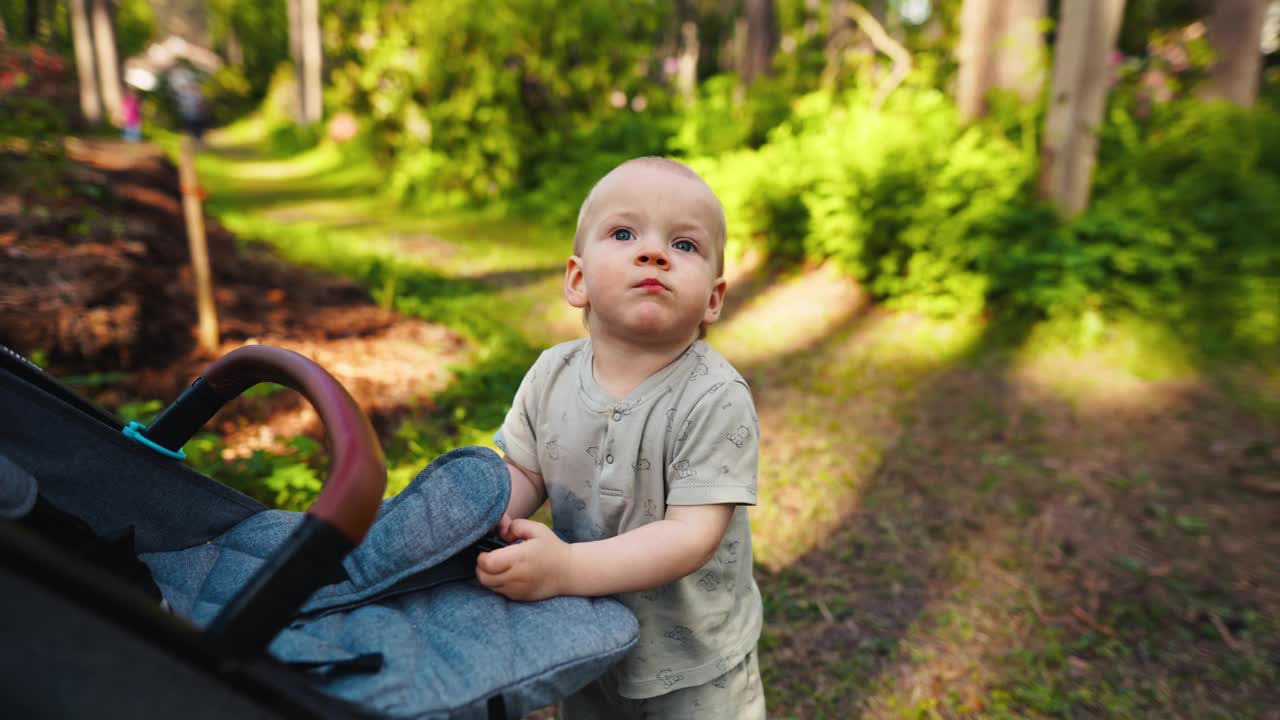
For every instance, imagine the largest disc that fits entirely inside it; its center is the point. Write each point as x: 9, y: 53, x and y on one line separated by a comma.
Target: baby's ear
x: 575, y: 283
x: 716, y: 301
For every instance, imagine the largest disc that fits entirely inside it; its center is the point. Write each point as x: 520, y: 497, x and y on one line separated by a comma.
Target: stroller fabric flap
x: 445, y: 649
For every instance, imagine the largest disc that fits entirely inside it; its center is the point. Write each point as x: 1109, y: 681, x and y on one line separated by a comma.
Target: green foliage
x: 36, y: 99
x: 289, y: 481
x: 941, y: 218
x: 261, y: 30
x: 462, y: 98
x: 135, y: 27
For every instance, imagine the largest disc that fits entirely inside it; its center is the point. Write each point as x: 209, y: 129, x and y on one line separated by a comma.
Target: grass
x: 957, y: 518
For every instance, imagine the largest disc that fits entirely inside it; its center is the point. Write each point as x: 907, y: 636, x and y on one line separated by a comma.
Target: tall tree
x: 86, y: 71
x: 1235, y: 32
x: 33, y: 20
x: 1000, y: 47
x: 761, y: 40
x: 304, y: 46
x: 1082, y: 75
x: 104, y: 43
x: 313, y: 60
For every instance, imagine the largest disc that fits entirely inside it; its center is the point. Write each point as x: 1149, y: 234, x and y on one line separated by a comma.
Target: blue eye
x: 685, y: 246
x: 622, y: 234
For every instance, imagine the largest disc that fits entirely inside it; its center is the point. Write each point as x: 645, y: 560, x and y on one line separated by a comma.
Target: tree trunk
x: 1000, y: 47
x: 104, y: 42
x: 1020, y: 63
x: 837, y: 42
x: 979, y: 25
x: 1235, y: 32
x: 312, y: 60
x: 296, y: 54
x: 687, y: 63
x: 90, y: 102
x: 762, y: 40
x: 235, y: 51
x: 1082, y: 75
x: 33, y: 20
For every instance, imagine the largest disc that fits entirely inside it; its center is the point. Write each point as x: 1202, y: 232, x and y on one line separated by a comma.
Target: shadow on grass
x: 1021, y: 552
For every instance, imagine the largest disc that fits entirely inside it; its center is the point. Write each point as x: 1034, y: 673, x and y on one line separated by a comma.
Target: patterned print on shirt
x: 679, y: 633
x: 641, y: 464
x: 708, y: 581
x: 669, y: 677
x: 650, y: 509
x: 594, y: 452
x: 699, y: 371
x: 728, y: 553
x: 671, y: 419
x: 553, y: 447
x: 684, y: 432
x: 739, y: 436
x: 684, y: 471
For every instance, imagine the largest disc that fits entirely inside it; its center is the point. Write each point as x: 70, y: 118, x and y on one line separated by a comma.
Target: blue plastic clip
x: 134, y: 431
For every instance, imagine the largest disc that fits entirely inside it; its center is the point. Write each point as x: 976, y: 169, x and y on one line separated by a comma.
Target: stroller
x: 133, y: 586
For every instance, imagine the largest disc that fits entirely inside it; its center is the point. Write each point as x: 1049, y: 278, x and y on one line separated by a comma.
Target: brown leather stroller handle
x: 357, y: 476
x: 357, y: 470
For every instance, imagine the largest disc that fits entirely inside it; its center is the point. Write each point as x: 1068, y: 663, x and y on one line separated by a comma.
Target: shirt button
x: 608, y: 459
x: 617, y: 416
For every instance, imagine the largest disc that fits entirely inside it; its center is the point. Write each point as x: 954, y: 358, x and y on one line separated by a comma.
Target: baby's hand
x: 504, y: 528
x: 535, y: 569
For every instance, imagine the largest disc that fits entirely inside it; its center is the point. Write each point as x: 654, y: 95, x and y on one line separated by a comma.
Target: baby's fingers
x: 495, y: 562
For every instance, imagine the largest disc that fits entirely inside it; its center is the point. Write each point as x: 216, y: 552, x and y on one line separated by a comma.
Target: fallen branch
x: 885, y: 44
x: 1083, y: 616
x: 1225, y: 633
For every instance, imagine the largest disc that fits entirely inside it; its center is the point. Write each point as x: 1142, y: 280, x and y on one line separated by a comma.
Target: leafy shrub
x: 461, y: 96
x: 941, y: 218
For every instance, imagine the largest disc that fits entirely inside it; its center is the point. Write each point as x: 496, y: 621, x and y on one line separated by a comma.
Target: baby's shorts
x: 736, y: 695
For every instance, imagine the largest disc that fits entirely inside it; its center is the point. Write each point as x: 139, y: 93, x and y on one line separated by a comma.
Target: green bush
x: 941, y: 218
x: 464, y: 99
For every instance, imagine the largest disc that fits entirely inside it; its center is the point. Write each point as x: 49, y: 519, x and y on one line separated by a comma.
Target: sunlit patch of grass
x: 795, y: 312
x: 828, y: 415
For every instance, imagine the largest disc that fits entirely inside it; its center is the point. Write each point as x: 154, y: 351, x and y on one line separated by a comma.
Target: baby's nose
x: 650, y: 256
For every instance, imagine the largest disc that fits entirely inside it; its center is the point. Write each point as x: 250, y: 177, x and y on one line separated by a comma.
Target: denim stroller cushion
x: 445, y: 650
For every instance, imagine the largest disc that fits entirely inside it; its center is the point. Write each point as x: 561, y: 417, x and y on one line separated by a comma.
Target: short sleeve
x: 517, y: 438
x: 717, y: 452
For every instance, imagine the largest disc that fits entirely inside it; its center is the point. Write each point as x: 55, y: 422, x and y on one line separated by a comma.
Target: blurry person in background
x: 131, y: 115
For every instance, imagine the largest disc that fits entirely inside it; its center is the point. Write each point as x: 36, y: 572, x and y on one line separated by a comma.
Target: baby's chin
x: 658, y: 325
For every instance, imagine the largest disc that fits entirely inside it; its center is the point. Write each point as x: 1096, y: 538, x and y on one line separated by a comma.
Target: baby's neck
x: 619, y: 367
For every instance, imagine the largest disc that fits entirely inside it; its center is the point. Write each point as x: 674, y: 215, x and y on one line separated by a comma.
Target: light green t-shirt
x: 688, y: 435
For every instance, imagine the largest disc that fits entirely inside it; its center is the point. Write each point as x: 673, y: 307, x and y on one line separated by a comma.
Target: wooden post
x: 192, y: 207
x: 1082, y: 75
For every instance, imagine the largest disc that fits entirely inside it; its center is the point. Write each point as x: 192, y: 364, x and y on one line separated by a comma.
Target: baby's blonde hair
x: 718, y: 232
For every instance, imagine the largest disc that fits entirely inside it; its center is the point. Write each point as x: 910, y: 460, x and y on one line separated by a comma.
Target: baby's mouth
x: 651, y: 284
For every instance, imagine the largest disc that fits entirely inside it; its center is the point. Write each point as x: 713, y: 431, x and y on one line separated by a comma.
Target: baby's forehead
x: 631, y: 183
